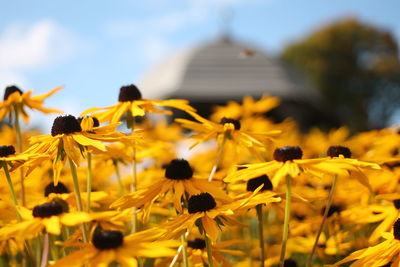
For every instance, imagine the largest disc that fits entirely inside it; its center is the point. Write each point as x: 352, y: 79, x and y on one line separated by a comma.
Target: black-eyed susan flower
x: 8, y: 158
x: 227, y: 129
x: 112, y: 246
x: 248, y: 108
x: 15, y: 101
x: 203, y: 207
x: 179, y: 181
x: 342, y: 157
x: 385, y: 253
x: 287, y: 161
x: 48, y: 216
x: 68, y: 140
x: 131, y: 103
x: 385, y: 213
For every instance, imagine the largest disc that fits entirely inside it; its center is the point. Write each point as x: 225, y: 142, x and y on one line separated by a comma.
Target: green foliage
x: 356, y: 68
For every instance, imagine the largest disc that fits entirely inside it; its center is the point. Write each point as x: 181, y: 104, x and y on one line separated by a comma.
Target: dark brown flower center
x: 10, y: 90
x: 6, y: 151
x: 96, y: 122
x: 254, y: 183
x: 197, y: 243
x: 47, y: 210
x: 289, y: 263
x: 236, y: 123
x: 288, y: 153
x: 299, y: 217
x: 396, y: 229
x: 60, y: 188
x: 335, y: 151
x: 332, y: 210
x: 178, y: 169
x: 65, y: 125
x: 396, y: 203
x: 129, y: 93
x: 201, y: 202
x: 108, y: 240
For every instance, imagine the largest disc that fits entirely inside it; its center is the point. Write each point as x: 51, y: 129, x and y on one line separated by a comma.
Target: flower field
x: 112, y: 187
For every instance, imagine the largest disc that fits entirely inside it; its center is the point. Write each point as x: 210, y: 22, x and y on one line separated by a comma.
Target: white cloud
x: 37, y: 46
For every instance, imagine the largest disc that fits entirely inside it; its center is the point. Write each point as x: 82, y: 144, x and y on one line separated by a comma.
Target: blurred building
x: 223, y: 70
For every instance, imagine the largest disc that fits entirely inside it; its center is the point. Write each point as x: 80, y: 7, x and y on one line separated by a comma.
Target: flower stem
x: 175, y: 259
x: 37, y: 247
x: 184, y: 251
x: 77, y: 194
x: 19, y: 147
x: 4, y: 261
x: 65, y: 235
x: 45, y: 253
x: 134, y: 179
x: 89, y: 181
x: 14, y: 199
x: 209, y: 250
x: 11, y: 187
x: 120, y: 183
x: 286, y: 221
x: 321, y: 227
x: 261, y: 233
x: 219, y: 154
x: 53, y: 248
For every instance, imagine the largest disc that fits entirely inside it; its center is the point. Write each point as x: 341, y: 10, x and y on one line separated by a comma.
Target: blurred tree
x: 356, y: 68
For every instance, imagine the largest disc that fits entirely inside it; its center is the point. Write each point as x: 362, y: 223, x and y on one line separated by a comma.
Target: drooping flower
x: 287, y: 161
x: 227, y: 129
x: 113, y: 246
x: 204, y: 208
x: 384, y: 253
x: 16, y: 100
x: 48, y: 216
x: 178, y: 180
x: 248, y: 108
x: 68, y: 139
x: 131, y: 103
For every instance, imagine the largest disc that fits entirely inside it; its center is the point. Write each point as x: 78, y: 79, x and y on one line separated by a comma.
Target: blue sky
x: 94, y: 47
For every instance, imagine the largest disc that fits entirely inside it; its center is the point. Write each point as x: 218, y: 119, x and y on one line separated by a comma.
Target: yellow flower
x: 228, y: 129
x: 335, y: 244
x: 16, y: 100
x: 379, y: 255
x: 248, y: 108
x: 67, y: 139
x: 8, y: 156
x: 203, y: 207
x: 316, y: 141
x: 112, y: 246
x: 385, y: 213
x: 49, y: 216
x: 287, y: 161
x: 130, y: 101
x: 178, y: 180
x: 340, y: 156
